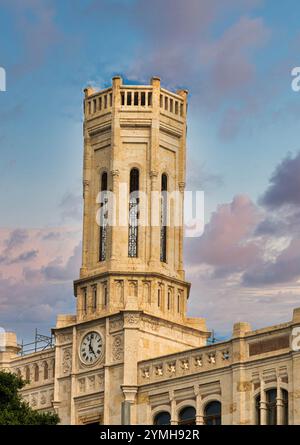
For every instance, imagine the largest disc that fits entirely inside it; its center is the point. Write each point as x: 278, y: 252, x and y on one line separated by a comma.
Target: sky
x: 235, y: 57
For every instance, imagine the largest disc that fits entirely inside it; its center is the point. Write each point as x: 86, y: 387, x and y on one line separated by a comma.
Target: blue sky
x: 235, y: 58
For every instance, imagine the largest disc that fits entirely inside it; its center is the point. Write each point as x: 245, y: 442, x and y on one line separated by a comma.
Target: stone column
x: 128, y: 414
x: 86, y: 225
x: 115, y: 130
x: 174, y: 419
x: 87, y: 165
x: 263, y: 403
x: 180, y: 231
x: 279, y: 403
x: 154, y: 219
x: 154, y: 147
x: 199, y: 409
x: 114, y: 158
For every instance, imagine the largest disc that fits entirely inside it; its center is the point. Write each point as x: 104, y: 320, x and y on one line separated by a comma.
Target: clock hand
x: 91, y: 349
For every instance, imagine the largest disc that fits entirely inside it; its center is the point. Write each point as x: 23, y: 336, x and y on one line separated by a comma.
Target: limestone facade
x: 153, y: 363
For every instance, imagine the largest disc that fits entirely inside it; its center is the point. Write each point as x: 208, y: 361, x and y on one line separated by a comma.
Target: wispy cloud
x: 35, y: 22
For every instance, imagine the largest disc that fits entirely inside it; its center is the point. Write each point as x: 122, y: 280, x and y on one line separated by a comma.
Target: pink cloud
x: 36, y: 277
x: 18, y: 247
x: 226, y: 240
x: 229, y: 57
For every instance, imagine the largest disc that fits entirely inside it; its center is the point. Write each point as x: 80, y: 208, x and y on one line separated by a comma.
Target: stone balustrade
x: 185, y: 363
x: 132, y: 98
x: 99, y: 103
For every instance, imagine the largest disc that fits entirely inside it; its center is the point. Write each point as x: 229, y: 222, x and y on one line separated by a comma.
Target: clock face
x: 91, y: 348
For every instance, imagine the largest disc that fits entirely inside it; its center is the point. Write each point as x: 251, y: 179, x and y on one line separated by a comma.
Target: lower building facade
x: 252, y: 378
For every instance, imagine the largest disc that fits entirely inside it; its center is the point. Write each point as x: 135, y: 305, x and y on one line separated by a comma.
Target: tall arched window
x: 187, y: 416
x: 133, y: 213
x: 103, y: 218
x: 212, y: 413
x: 162, y: 418
x: 164, y: 218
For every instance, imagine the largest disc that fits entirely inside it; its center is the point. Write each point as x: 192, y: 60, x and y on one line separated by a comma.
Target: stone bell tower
x: 132, y: 294
x: 134, y: 141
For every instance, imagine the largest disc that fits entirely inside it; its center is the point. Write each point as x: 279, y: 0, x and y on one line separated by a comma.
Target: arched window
x: 36, y: 373
x: 212, y: 413
x: 169, y: 300
x: 105, y: 296
x: 103, y: 218
x: 27, y: 373
x: 162, y: 418
x: 46, y: 371
x: 133, y: 213
x: 187, y: 416
x: 164, y: 218
x: 159, y: 297
x: 95, y: 298
x: 271, y: 407
x: 178, y: 302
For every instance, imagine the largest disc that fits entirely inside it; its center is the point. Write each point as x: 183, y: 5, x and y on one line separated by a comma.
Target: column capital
x: 115, y: 173
x: 129, y: 393
x: 153, y: 174
x: 181, y: 186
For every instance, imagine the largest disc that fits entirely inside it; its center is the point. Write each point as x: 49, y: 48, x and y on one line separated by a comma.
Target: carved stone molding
x: 64, y: 338
x: 67, y: 360
x: 117, y: 348
x: 132, y: 319
x: 115, y: 324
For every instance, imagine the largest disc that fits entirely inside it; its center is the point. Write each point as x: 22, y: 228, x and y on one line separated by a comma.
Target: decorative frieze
x: 90, y: 383
x: 182, y: 365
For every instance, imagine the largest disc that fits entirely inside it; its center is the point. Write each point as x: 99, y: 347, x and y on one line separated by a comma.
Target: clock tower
x: 131, y: 295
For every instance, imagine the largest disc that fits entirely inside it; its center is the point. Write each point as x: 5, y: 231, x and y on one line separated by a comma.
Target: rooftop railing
x: 134, y: 97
